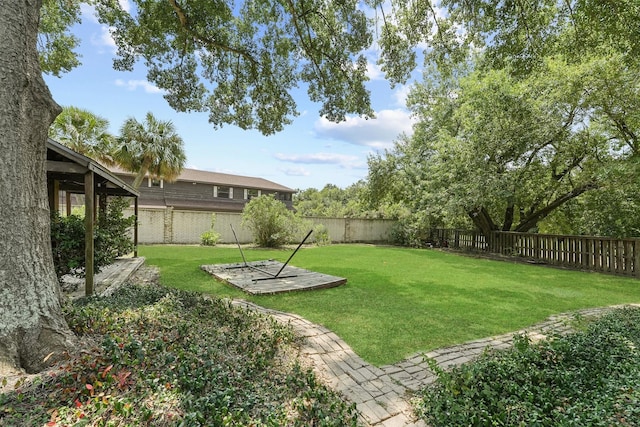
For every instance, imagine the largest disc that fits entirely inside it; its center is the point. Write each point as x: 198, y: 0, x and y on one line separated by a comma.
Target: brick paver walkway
x: 382, y: 394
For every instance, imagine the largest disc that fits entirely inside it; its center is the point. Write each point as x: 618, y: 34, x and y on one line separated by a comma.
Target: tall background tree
x: 150, y: 147
x: 515, y: 133
x: 334, y: 202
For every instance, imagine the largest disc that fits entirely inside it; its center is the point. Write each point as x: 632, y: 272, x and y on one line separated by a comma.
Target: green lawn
x: 399, y: 301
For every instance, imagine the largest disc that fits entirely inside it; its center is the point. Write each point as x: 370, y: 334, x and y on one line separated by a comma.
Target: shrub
x: 112, y: 232
x: 321, y: 235
x: 271, y: 222
x: 413, y: 231
x: 590, y: 378
x: 67, y: 243
x: 111, y: 239
x: 210, y: 237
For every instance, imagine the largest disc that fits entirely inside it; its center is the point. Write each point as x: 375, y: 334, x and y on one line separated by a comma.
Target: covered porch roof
x: 69, y: 169
x: 72, y: 172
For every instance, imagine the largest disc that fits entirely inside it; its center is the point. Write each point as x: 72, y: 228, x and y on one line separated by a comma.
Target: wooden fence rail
x: 603, y: 254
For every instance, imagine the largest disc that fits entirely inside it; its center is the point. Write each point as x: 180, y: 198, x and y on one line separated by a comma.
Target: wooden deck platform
x: 257, y: 277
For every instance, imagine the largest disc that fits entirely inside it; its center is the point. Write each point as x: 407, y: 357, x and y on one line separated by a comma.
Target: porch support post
x: 89, y: 214
x: 135, y: 228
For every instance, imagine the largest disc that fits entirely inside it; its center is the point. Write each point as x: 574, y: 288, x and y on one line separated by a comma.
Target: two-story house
x: 202, y: 190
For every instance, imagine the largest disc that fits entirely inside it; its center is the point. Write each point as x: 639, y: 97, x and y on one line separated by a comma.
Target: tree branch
x: 532, y: 220
x: 212, y: 43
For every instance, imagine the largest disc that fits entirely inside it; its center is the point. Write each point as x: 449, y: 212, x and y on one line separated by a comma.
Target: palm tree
x: 152, y: 147
x: 84, y: 132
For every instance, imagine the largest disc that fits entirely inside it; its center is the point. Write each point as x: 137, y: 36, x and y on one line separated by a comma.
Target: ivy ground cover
x: 152, y: 356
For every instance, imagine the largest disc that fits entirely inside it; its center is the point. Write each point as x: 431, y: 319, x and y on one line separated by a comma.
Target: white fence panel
x: 335, y: 227
x: 224, y: 221
x: 345, y: 230
x: 369, y: 230
x: 186, y: 227
x: 150, y: 225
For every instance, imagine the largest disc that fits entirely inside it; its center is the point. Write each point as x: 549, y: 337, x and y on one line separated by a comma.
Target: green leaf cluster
x: 84, y: 132
x: 241, y: 62
x: 112, y: 238
x: 271, y: 223
x: 334, y: 202
x: 56, y: 43
x: 152, y: 147
x: 587, y: 378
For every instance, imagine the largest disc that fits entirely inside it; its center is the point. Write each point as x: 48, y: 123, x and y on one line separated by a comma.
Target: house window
x: 223, y: 192
x: 286, y: 197
x: 154, y: 182
x: 250, y: 193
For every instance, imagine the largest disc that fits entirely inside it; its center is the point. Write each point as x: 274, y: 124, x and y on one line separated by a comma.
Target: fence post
x: 347, y: 230
x: 636, y: 258
x: 168, y: 225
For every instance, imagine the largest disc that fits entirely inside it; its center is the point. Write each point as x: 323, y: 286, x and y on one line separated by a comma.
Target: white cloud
x: 343, y: 160
x: 378, y: 133
x: 295, y: 171
x: 400, y: 95
x: 125, y: 5
x: 88, y: 13
x: 135, y: 84
x: 104, y: 39
x: 373, y: 70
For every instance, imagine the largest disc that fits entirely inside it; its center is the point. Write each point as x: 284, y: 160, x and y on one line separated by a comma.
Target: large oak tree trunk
x: 483, y: 222
x: 31, y: 323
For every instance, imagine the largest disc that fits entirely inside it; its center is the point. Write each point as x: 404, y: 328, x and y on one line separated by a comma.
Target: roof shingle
x: 216, y: 178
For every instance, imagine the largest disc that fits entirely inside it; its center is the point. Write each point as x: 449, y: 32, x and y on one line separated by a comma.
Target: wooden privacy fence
x: 617, y: 256
x: 603, y: 254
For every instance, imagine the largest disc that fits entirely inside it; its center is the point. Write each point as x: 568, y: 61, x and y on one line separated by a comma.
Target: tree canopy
x: 533, y: 106
x: 150, y: 147
x: 241, y: 62
x: 56, y: 43
x: 83, y: 132
x: 508, y: 151
x: 334, y: 202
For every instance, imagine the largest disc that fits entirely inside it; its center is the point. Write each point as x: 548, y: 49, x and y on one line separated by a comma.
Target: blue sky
x: 311, y: 152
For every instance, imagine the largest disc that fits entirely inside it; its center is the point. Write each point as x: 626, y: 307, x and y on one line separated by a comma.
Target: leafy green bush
x: 111, y: 236
x: 271, y: 222
x: 210, y: 237
x: 590, y: 378
x: 67, y: 243
x: 174, y: 358
x: 413, y: 231
x: 321, y: 235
